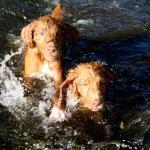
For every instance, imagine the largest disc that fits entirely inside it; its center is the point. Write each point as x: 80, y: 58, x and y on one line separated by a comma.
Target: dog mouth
x: 97, y: 108
x: 50, y: 56
x: 94, y: 108
x: 97, y: 104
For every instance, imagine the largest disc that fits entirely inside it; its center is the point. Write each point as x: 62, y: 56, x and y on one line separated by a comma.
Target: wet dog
x: 88, y: 83
x: 45, y: 39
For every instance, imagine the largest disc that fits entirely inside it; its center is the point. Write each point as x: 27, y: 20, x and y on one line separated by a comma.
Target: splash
x: 56, y: 115
x: 44, y: 105
x: 11, y: 89
x: 12, y: 92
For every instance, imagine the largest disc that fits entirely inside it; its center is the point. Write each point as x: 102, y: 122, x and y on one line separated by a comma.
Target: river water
x: 114, y: 31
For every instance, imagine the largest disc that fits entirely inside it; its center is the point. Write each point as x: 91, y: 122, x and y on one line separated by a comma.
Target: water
x: 113, y: 31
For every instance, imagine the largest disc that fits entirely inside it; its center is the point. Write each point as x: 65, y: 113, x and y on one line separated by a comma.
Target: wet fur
x: 42, y: 36
x: 95, y: 75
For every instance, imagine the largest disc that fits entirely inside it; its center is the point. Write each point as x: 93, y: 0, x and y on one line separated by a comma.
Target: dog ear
x: 103, y: 70
x: 69, y: 82
x: 70, y: 33
x: 59, y: 12
x: 27, y: 34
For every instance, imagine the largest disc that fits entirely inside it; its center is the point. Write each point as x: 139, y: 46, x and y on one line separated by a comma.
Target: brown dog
x: 88, y: 82
x: 45, y: 39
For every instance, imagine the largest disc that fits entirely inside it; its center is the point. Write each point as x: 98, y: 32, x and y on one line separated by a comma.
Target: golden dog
x: 45, y: 39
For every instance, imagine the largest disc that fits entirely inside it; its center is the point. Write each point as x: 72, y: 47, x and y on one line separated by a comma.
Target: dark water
x: 116, y: 32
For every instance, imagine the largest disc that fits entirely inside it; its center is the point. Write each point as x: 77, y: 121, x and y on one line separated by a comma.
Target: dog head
x: 88, y: 82
x: 49, y: 33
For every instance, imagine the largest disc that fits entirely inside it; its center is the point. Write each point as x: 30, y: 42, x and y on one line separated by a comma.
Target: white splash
x: 12, y: 93
x: 10, y: 87
x: 84, y: 22
x: 58, y: 115
x: 48, y: 93
x: 72, y: 102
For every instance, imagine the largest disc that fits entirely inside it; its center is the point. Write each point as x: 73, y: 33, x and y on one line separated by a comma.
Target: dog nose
x: 51, y: 49
x: 96, y: 102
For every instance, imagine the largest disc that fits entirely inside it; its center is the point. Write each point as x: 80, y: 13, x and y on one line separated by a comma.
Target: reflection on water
x: 114, y: 31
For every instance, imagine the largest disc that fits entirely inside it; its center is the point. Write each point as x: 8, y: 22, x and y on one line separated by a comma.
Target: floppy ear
x: 27, y: 34
x: 70, y: 33
x: 69, y: 82
x: 103, y: 70
x: 109, y: 74
x: 59, y: 12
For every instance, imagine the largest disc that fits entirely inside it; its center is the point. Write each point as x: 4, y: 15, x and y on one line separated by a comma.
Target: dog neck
x: 43, y: 59
x: 50, y: 67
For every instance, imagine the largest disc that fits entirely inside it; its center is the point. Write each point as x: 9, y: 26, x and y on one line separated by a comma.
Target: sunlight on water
x: 11, y: 88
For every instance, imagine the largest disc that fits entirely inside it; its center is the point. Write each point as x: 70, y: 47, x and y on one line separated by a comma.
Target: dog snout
x: 96, y: 102
x: 52, y: 49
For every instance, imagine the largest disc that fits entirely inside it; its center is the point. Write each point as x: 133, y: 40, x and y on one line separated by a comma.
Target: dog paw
x: 58, y: 115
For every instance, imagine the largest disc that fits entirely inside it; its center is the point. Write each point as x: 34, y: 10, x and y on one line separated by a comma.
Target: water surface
x: 114, y: 31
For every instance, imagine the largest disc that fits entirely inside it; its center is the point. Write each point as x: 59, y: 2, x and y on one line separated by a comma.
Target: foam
x: 11, y: 88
